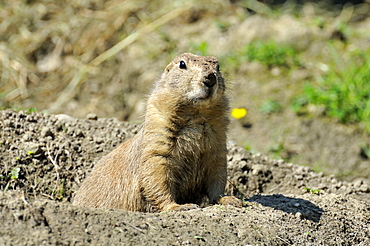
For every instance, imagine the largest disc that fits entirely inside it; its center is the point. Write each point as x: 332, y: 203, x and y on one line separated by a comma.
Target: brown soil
x: 54, y: 153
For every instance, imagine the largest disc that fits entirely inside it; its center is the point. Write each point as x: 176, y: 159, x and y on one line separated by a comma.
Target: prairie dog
x: 179, y: 155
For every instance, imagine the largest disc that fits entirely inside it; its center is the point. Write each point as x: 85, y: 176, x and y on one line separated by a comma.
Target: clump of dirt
x: 44, y: 158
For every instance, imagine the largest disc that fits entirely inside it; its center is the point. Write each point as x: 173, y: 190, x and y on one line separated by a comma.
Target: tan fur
x: 179, y: 155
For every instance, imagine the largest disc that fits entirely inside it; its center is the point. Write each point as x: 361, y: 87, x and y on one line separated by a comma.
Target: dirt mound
x: 44, y: 158
x: 51, y: 154
x: 268, y: 220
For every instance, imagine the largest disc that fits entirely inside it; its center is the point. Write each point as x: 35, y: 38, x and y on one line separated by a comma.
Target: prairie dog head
x: 193, y: 78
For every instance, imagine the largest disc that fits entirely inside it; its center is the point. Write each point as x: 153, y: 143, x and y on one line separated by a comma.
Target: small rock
x: 46, y: 132
x: 322, y: 186
x: 338, y: 184
x: 358, y: 183
x: 79, y: 133
x: 98, y: 140
x: 65, y: 118
x: 349, y: 190
x: 27, y: 136
x: 31, y: 148
x: 258, y: 169
x: 298, y: 215
x: 299, y: 177
x: 91, y: 116
x: 364, y: 188
x: 240, y: 156
x: 275, y: 71
x: 7, y: 123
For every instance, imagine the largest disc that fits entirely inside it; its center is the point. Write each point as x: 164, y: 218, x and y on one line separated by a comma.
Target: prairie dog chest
x: 195, y: 138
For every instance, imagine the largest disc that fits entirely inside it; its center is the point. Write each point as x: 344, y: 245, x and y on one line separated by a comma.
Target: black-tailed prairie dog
x: 179, y: 156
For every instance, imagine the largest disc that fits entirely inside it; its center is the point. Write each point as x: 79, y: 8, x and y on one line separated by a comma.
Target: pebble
x: 91, y: 116
x: 7, y: 123
x: 46, y: 132
x: 298, y: 215
x: 358, y: 183
x: 31, y: 148
x: 27, y: 136
x: 258, y: 169
x: 364, y: 188
x: 65, y: 117
x: 98, y: 140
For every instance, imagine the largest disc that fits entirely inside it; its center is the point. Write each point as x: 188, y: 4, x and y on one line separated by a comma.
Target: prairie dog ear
x: 169, y: 67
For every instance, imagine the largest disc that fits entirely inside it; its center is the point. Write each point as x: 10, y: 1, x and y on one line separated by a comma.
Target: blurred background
x: 298, y: 72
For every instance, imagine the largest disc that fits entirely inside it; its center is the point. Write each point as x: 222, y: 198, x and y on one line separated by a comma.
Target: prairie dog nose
x: 210, y: 80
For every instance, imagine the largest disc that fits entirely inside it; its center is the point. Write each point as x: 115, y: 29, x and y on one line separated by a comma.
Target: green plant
x: 365, y: 151
x: 64, y: 128
x: 200, y: 238
x: 60, y: 191
x: 200, y: 49
x: 344, y: 91
x: 266, y: 53
x: 312, y: 191
x: 14, y: 174
x: 222, y: 25
x: 248, y: 147
x: 270, y: 106
x: 27, y: 111
x: 271, y: 54
x: 31, y: 110
x: 298, y: 104
x: 319, y: 22
x: 255, y: 227
x: 276, y: 150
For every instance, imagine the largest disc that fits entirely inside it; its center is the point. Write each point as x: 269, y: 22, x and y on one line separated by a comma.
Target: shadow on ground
x: 300, y: 207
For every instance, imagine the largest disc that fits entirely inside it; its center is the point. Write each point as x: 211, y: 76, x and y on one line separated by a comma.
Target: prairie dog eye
x: 182, y: 65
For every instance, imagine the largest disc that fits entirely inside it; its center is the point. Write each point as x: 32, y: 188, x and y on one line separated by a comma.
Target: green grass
x: 344, y: 91
x: 199, y: 49
x: 270, y: 106
x: 267, y: 53
x: 312, y: 191
x: 14, y: 174
x: 365, y: 151
x: 271, y: 54
x: 276, y: 150
x: 27, y: 111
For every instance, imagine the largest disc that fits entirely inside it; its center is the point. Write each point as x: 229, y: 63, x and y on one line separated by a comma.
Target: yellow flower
x: 238, y: 113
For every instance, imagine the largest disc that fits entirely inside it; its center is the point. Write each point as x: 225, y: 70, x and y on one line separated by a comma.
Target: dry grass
x: 98, y: 56
x: 46, y: 43
x: 50, y: 49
